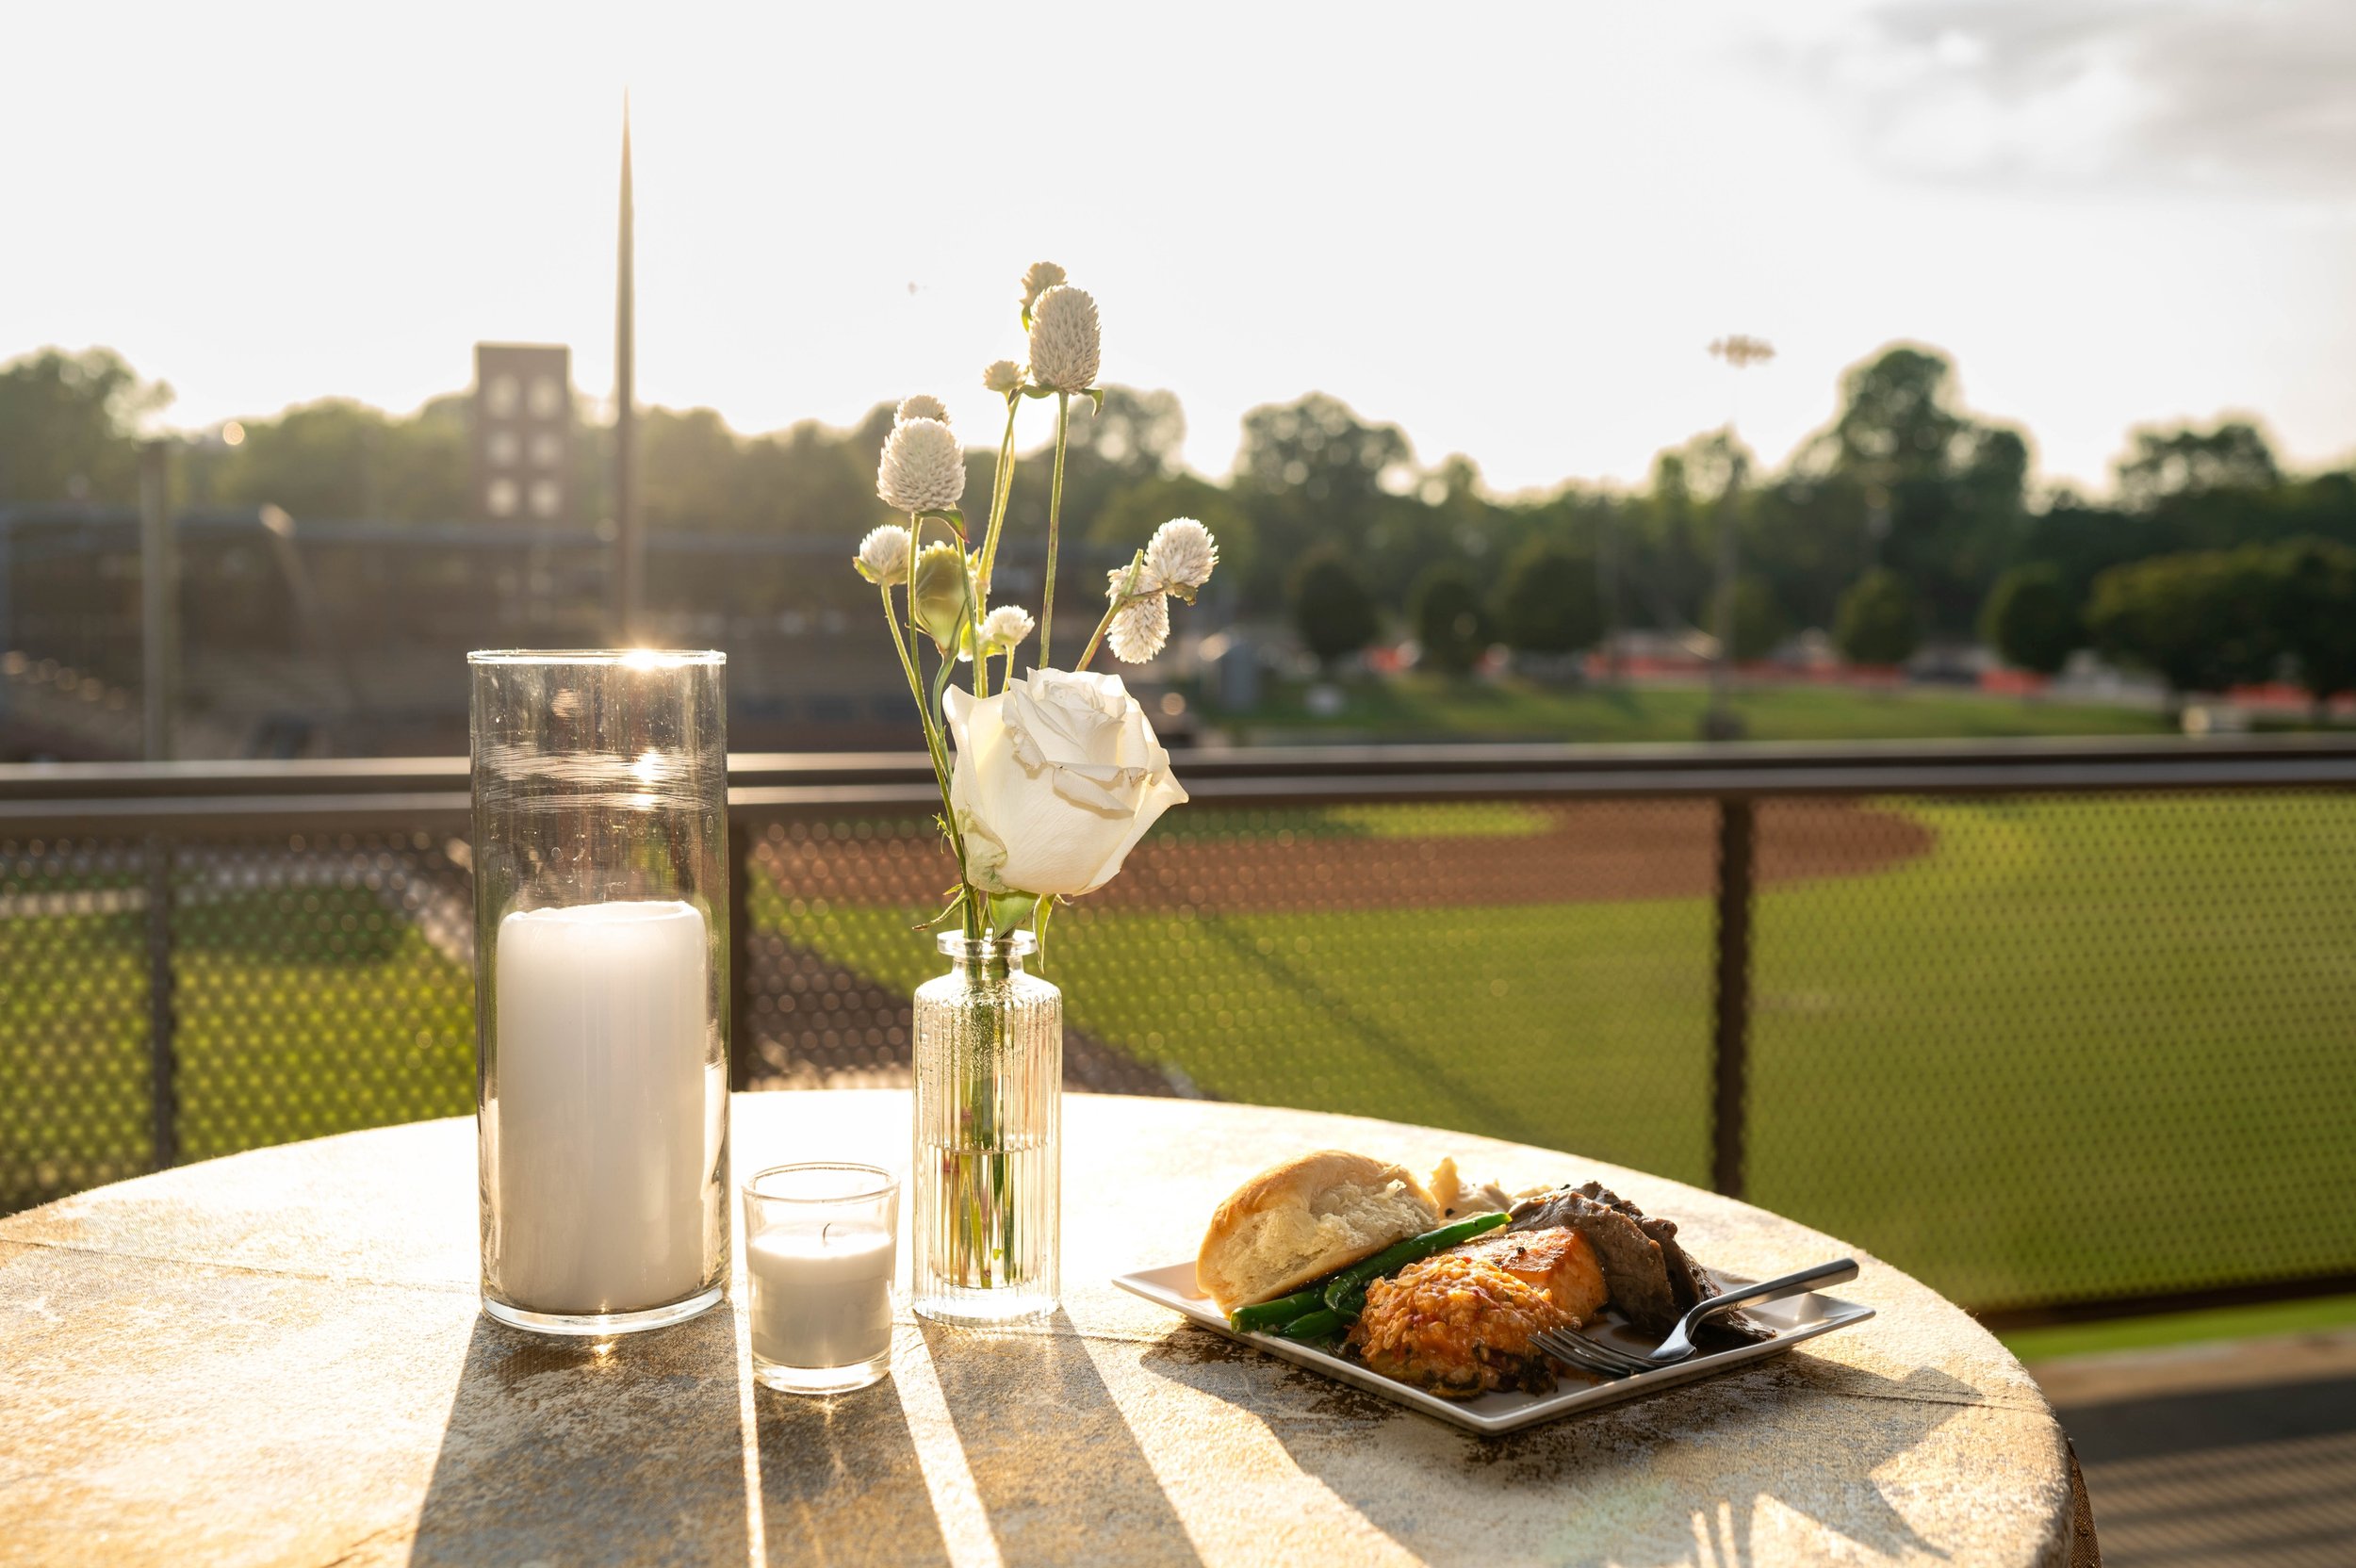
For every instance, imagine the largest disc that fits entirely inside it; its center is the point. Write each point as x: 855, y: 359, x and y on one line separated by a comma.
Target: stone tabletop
x: 277, y: 1358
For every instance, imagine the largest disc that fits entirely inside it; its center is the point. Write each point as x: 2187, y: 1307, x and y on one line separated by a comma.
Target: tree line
x: 1907, y: 518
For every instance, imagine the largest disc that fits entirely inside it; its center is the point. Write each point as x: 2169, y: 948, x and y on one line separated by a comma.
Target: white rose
x: 1056, y: 779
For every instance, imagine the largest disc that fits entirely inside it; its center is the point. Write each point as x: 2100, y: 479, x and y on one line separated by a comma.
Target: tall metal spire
x: 629, y: 574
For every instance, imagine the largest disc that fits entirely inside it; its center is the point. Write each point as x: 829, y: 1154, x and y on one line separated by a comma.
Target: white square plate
x: 1794, y: 1319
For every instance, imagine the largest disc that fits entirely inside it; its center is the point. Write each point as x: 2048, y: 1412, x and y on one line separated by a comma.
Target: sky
x: 1510, y: 230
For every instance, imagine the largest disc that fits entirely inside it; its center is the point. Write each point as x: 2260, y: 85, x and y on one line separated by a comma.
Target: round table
x: 277, y: 1358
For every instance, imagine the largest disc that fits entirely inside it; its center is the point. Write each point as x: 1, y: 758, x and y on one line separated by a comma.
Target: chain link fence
x: 2041, y: 1046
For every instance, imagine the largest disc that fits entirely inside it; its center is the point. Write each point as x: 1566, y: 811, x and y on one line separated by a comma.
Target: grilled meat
x: 1633, y: 1270
x: 1653, y: 1280
x: 1557, y: 1262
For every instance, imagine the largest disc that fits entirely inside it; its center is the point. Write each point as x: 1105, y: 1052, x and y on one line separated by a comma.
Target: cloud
x: 2202, y: 95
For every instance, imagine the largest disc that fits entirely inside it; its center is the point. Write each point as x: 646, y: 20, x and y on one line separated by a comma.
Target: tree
x: 2163, y: 464
x: 1330, y: 606
x: 2030, y: 620
x: 1877, y: 622
x: 67, y: 426
x: 1942, y: 491
x: 2200, y: 620
x: 1312, y: 472
x: 1549, y: 602
x: 1131, y: 514
x: 2314, y: 614
x: 1758, y: 620
x: 1451, y: 626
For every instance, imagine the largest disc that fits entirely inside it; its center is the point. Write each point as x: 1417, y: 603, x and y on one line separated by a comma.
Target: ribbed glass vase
x: 987, y: 1165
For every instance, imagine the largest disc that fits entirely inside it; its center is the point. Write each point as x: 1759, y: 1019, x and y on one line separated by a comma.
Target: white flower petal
x: 883, y: 555
x: 923, y: 467
x: 1067, y: 346
x: 1183, y: 551
x: 1140, y: 629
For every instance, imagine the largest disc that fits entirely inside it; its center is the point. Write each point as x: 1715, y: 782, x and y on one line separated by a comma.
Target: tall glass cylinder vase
x: 602, y: 899
x: 987, y: 1165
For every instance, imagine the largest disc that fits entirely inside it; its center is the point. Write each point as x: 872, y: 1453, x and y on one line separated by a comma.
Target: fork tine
x: 1587, y: 1361
x: 1580, y: 1350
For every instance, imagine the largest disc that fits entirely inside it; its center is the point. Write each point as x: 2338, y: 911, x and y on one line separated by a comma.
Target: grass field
x: 1422, y: 707
x: 2061, y: 1048
x: 2078, y: 1048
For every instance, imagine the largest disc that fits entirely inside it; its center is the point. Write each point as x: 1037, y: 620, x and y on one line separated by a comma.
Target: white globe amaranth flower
x: 883, y: 555
x: 920, y: 405
x: 1003, y: 377
x: 1140, y: 629
x: 1067, y: 343
x: 1006, y: 626
x: 1038, y: 279
x: 1182, y: 554
x: 1118, y: 586
x: 923, y: 467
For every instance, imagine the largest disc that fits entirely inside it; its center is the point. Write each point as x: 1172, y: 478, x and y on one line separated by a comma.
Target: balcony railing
x: 2067, y: 1028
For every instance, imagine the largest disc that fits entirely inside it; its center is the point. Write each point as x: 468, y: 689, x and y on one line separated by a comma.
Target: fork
x: 1612, y: 1361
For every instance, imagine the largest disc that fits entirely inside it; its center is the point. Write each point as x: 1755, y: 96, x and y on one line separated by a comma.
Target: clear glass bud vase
x: 988, y: 1163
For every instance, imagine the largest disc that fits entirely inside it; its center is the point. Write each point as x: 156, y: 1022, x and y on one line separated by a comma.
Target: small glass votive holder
x: 821, y: 1242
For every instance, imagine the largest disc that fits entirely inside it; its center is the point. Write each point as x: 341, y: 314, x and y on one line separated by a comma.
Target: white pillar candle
x: 602, y: 1134
x: 821, y: 1297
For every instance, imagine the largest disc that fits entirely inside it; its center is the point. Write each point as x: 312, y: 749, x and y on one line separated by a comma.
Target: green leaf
x: 956, y: 902
x: 1096, y: 396
x: 1030, y: 391
x: 1010, y: 910
x: 951, y: 516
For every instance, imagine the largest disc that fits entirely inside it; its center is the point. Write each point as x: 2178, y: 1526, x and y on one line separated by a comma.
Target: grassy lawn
x: 2078, y: 1048
x: 1425, y: 707
x: 302, y: 1012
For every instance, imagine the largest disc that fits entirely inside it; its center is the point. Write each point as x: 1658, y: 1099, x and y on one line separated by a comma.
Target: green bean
x: 1276, y: 1314
x: 1313, y: 1326
x: 1399, y: 1255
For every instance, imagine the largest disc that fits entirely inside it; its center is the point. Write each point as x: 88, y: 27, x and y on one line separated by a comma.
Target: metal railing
x: 2068, y: 1027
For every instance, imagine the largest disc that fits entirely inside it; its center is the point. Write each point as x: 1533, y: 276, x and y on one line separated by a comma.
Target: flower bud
x: 1038, y: 279
x: 1140, y: 629
x: 923, y: 467
x: 943, y: 593
x: 1003, y: 377
x: 883, y: 555
x: 1182, y: 554
x: 1067, y: 345
x: 920, y: 405
x: 1005, y: 626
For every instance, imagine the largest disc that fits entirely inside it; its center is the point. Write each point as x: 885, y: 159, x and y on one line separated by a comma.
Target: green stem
x: 1055, y: 522
x: 935, y: 748
x: 1001, y: 491
x: 1128, y: 592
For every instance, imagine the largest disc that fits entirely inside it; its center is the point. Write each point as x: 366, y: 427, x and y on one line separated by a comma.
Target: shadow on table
x: 841, y: 1480
x: 1060, y: 1474
x: 558, y: 1452
x: 1601, y: 1488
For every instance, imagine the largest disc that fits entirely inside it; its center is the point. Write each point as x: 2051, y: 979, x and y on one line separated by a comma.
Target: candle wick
x: 822, y: 1232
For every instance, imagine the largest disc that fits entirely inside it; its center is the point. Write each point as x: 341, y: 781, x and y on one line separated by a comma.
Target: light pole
x: 1719, y: 723
x: 160, y: 602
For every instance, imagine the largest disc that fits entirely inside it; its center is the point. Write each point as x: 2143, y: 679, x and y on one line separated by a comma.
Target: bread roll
x: 1458, y: 1198
x: 1306, y: 1217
